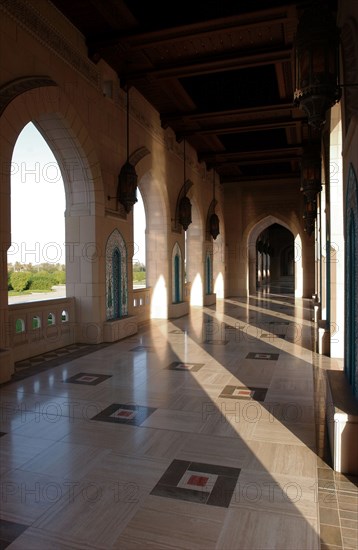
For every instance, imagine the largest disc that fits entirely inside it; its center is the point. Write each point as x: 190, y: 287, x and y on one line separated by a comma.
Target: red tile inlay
x: 244, y: 392
x: 125, y: 413
x: 87, y: 378
x: 199, y: 481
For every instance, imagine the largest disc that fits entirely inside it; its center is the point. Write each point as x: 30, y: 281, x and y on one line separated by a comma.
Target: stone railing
x: 141, y: 303
x: 42, y: 326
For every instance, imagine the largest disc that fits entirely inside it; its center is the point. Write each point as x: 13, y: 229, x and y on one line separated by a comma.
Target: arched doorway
x: 275, y: 259
x: 294, y: 247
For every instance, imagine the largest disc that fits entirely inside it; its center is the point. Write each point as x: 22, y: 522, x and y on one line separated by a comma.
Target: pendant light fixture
x: 127, y: 179
x: 214, y: 219
x: 311, y: 180
x: 316, y: 60
x: 184, y: 204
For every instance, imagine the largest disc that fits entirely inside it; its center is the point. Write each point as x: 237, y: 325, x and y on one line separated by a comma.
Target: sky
x: 38, y: 205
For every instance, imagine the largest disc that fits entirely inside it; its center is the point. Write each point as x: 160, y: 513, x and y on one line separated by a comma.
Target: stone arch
x: 60, y: 125
x: 55, y: 117
x: 250, y: 237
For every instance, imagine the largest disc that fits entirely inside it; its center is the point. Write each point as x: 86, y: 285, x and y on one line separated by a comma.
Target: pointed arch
x: 51, y: 111
x: 252, y: 235
x: 116, y: 277
x: 351, y: 283
x: 208, y: 274
x: 177, y: 274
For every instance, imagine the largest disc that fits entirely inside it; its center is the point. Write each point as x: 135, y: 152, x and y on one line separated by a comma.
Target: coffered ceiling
x: 220, y: 73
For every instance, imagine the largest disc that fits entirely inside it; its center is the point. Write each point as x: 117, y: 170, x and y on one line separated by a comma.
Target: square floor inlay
x: 243, y: 392
x: 134, y: 415
x: 262, y: 356
x: 9, y: 531
x: 88, y: 379
x: 198, y: 482
x: 193, y: 367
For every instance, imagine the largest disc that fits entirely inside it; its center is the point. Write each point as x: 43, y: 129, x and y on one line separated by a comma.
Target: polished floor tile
x: 198, y: 432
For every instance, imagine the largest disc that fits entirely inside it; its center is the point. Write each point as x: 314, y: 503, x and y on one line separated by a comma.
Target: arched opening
x: 156, y: 256
x: 274, y: 257
x: 351, y: 255
x: 116, y: 284
x: 60, y: 124
x: 219, y: 263
x: 116, y: 277
x: 208, y: 275
x: 177, y: 277
x: 195, y: 256
x: 36, y: 257
x: 139, y: 255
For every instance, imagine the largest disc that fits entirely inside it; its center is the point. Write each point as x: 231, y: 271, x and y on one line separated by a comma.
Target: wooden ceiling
x: 219, y: 72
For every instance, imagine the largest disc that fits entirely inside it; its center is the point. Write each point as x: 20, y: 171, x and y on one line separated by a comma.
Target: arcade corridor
x: 192, y: 412
x: 194, y: 433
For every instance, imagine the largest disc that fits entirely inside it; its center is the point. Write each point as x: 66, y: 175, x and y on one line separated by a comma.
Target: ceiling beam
x: 237, y: 128
x: 268, y: 111
x: 282, y: 154
x: 291, y: 177
x: 158, y: 38
x: 201, y: 66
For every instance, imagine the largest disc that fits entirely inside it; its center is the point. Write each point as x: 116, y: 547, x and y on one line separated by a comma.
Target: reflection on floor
x: 196, y: 433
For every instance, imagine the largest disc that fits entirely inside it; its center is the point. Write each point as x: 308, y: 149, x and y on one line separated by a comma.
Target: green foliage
x: 139, y: 276
x: 9, y: 285
x: 59, y: 277
x: 38, y: 277
x: 20, y: 280
x: 138, y: 267
x: 42, y: 281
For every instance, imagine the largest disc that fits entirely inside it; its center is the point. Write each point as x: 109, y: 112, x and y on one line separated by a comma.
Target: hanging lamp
x: 127, y: 179
x: 316, y: 63
x: 184, y: 204
x: 214, y: 219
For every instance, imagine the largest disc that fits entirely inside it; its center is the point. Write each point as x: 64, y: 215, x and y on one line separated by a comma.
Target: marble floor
x: 196, y: 433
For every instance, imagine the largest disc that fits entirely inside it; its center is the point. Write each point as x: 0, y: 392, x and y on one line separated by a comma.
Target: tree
x: 20, y: 280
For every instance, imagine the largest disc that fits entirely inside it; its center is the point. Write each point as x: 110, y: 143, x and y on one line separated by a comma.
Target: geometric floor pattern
x: 133, y: 415
x: 196, y: 482
x: 108, y: 447
x: 88, y: 379
x: 242, y: 392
